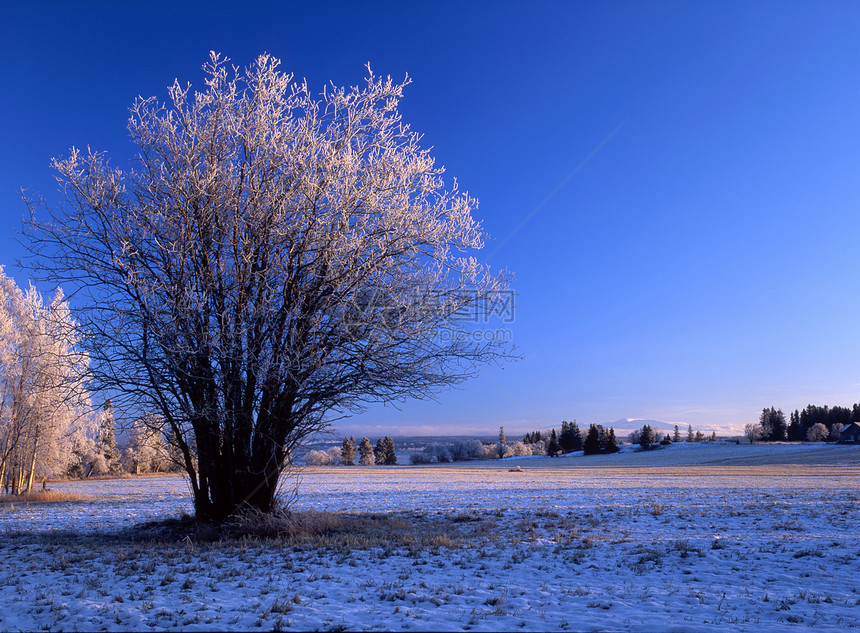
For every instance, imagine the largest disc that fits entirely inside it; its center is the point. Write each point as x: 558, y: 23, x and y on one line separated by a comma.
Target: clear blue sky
x: 701, y: 265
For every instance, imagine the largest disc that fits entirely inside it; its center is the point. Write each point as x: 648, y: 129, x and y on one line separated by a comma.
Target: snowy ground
x: 693, y: 539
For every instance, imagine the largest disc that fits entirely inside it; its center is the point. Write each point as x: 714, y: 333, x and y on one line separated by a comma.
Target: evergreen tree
x: 591, y: 446
x: 565, y: 438
x: 390, y: 457
x: 677, y: 436
x: 366, y: 454
x: 647, y: 437
x: 576, y: 437
x: 503, y: 444
x: 793, y: 432
x: 553, y: 448
x: 611, y: 445
x: 384, y: 452
x: 773, y: 426
x: 700, y: 437
x: 690, y: 436
x: 379, y: 452
x: 347, y: 451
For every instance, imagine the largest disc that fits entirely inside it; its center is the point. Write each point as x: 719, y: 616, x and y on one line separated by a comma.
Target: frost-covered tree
x: 520, y: 449
x: 106, y: 445
x: 347, y: 451
x: 502, y: 447
x: 818, y: 433
x: 676, y: 436
x: 752, y: 432
x: 385, y: 452
x: 145, y: 450
x: 45, y: 413
x: 329, y: 457
x: 366, y: 456
x: 271, y: 260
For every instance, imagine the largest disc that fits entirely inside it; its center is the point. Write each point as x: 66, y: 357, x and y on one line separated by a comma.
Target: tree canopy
x: 272, y: 260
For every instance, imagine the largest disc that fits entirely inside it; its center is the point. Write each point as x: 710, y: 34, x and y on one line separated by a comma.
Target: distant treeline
x: 594, y: 441
x: 598, y: 439
x: 812, y: 424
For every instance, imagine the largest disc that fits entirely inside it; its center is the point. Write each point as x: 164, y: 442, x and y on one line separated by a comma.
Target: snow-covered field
x: 687, y: 539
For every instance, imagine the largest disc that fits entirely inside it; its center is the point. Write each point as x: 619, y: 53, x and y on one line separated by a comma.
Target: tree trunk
x: 223, y: 492
x: 31, y: 476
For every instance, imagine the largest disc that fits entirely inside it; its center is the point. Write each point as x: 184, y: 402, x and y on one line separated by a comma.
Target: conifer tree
x: 677, y: 435
x: 390, y: 454
x: 553, y: 448
x: 347, y: 451
x: 575, y: 437
x: 379, y: 452
x: 646, y: 437
x: 564, y: 438
x: 503, y: 444
x: 794, y: 427
x: 591, y: 446
x: 611, y: 445
x: 366, y: 455
x: 690, y: 436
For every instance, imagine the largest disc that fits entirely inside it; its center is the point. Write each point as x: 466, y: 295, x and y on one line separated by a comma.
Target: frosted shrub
x: 462, y: 450
x: 818, y: 433
x: 538, y: 448
x: 442, y: 453
x: 330, y: 457
x: 520, y: 449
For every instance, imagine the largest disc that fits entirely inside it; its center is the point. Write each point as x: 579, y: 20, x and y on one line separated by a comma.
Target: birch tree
x: 44, y: 408
x: 272, y: 261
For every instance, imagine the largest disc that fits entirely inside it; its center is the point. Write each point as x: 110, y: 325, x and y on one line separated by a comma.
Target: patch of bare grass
x: 283, y: 524
x: 43, y: 496
x: 344, y: 532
